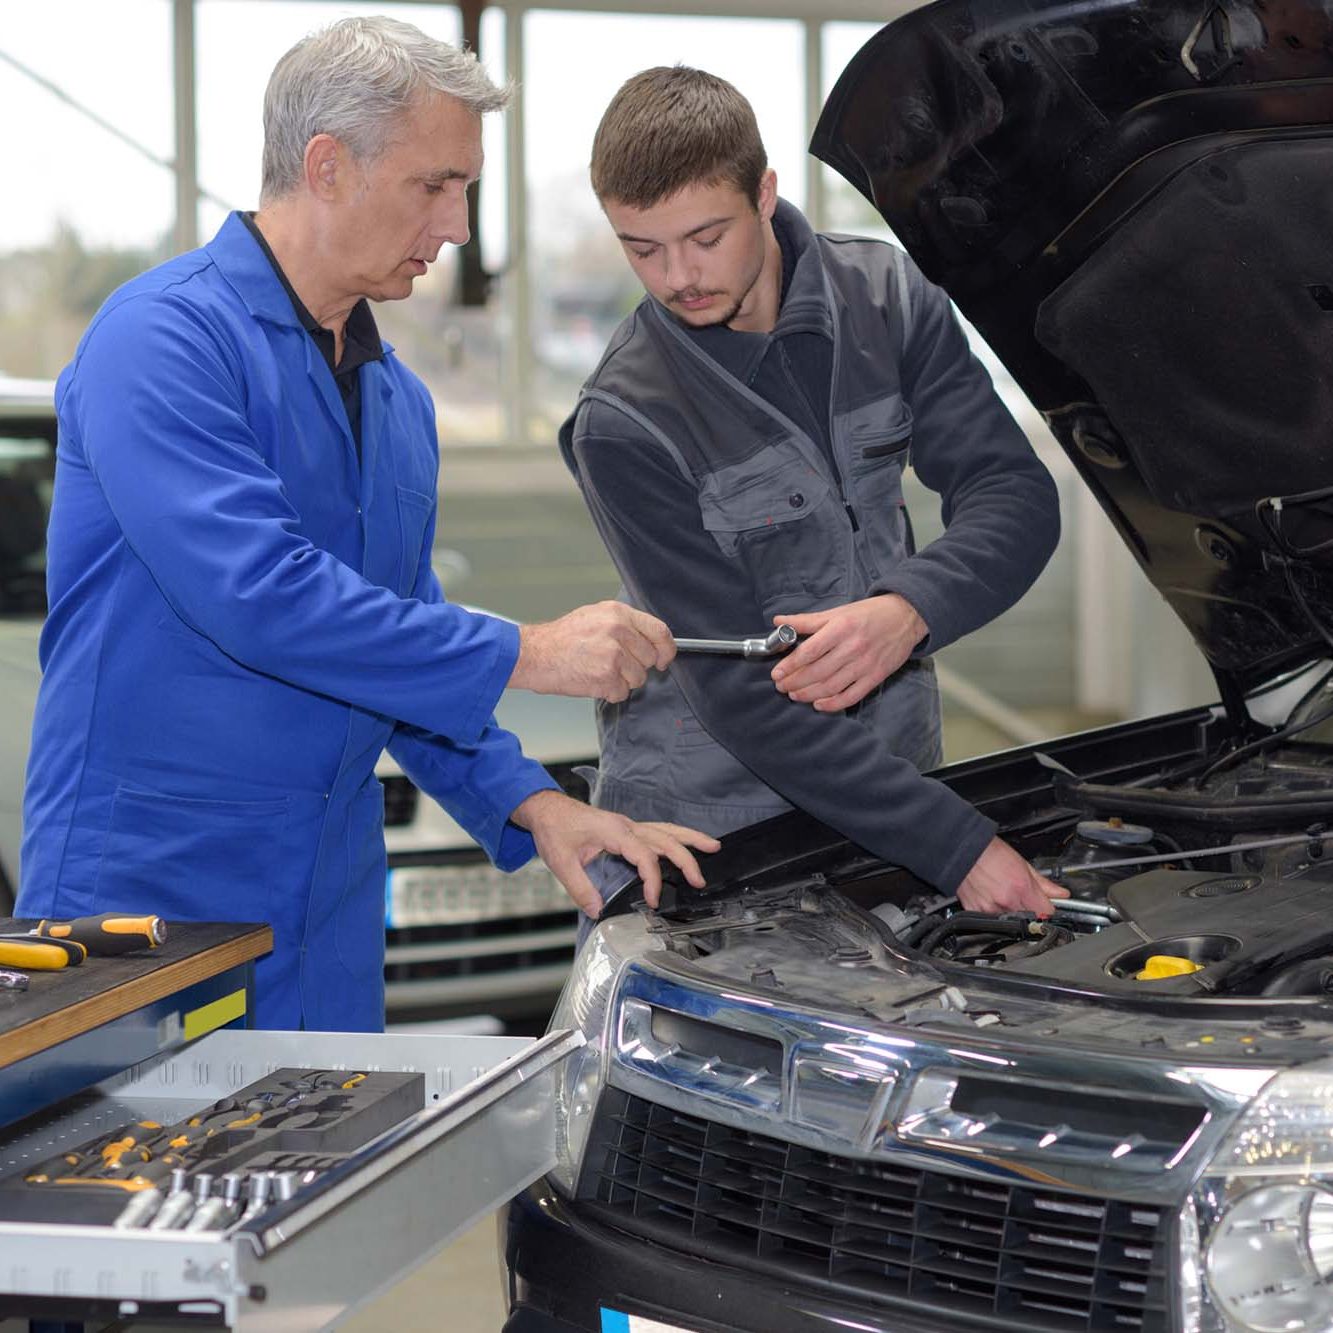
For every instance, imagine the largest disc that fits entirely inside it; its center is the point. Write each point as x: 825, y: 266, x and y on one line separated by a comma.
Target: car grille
x: 400, y: 801
x: 875, y: 1230
x: 476, y: 948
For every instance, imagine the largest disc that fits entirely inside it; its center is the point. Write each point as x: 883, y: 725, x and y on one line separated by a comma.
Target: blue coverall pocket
x: 414, y: 511
x: 192, y: 860
x: 358, y: 918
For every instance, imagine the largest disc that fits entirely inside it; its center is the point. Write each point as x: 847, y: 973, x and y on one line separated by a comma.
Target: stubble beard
x: 733, y: 310
x: 720, y: 319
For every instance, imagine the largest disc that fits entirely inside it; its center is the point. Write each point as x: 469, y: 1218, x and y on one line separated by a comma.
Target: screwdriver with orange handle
x: 56, y: 944
x: 110, y: 933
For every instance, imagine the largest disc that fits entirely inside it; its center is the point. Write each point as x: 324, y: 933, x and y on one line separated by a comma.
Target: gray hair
x: 354, y: 80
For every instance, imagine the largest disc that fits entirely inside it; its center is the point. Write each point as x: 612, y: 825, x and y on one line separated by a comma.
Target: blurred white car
x: 462, y: 937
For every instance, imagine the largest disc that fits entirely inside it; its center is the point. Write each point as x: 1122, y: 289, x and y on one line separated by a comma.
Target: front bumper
x: 561, y: 1270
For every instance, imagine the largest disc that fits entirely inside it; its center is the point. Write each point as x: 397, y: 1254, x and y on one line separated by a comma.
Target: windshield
x: 27, y: 474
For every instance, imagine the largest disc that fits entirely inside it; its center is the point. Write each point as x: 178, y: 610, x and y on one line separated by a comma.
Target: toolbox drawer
x: 484, y: 1131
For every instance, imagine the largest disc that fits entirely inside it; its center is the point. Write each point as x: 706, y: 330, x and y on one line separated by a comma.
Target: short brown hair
x: 670, y: 127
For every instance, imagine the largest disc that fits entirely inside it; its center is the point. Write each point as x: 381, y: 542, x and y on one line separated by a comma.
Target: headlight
x: 583, y: 1004
x: 1269, y: 1258
x: 1257, y: 1237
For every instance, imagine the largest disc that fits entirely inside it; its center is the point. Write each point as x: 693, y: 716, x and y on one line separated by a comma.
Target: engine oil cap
x: 1161, y: 965
x: 1113, y: 832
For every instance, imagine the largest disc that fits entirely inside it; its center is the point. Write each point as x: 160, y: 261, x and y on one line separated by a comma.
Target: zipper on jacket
x: 831, y: 451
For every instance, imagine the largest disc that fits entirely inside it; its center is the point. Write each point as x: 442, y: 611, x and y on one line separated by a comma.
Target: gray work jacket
x: 721, y: 512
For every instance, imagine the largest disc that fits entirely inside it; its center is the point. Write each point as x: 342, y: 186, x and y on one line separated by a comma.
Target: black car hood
x: 1133, y: 202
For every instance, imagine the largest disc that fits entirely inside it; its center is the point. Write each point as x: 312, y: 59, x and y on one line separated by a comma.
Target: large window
x: 96, y: 176
x: 89, y: 192
x: 91, y: 163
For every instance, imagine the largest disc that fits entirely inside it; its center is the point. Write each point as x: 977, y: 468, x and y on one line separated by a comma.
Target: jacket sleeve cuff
x: 490, y: 685
x: 973, y: 837
x: 504, y: 842
x: 914, y: 584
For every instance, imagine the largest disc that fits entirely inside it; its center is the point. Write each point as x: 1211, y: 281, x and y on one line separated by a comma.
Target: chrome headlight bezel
x: 586, y: 1005
x: 1258, y: 1196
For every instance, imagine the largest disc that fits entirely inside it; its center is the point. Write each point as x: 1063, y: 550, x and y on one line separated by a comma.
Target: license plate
x: 615, y: 1321
x: 457, y: 894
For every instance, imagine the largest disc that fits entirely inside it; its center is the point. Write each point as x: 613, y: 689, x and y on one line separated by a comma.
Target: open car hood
x: 1133, y: 204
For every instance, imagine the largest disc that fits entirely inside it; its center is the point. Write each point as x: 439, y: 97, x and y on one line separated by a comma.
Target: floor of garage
x: 466, y: 1271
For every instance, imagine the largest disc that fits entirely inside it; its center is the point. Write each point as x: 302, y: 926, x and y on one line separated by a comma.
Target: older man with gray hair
x: 242, y: 609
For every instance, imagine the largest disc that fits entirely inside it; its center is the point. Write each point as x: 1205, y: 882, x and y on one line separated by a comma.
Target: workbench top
x: 72, y: 1001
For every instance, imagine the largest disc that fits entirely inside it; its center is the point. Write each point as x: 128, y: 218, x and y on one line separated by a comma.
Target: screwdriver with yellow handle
x: 34, y: 954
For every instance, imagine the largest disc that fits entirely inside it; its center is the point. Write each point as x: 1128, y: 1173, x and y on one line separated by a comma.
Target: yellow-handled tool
x: 110, y: 933
x: 34, y: 954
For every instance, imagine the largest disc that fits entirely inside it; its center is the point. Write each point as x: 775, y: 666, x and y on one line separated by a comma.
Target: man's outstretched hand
x: 569, y: 834
x: 847, y: 650
x: 601, y: 651
x: 1002, y: 881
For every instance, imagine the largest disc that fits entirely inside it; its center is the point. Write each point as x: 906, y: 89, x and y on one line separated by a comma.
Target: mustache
x: 689, y: 294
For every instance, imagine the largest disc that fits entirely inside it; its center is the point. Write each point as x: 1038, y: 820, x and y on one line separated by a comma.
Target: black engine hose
x: 1049, y: 938
x: 1223, y: 812
x: 929, y: 923
x: 972, y: 923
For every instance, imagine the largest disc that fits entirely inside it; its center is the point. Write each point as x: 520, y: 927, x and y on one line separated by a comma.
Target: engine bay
x: 1225, y: 892
x: 1182, y: 932
x: 1210, y: 876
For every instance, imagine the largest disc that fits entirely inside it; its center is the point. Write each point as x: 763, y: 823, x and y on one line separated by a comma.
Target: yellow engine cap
x: 1161, y: 965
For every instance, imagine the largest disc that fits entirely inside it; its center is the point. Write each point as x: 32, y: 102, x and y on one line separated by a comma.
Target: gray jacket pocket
x: 779, y: 518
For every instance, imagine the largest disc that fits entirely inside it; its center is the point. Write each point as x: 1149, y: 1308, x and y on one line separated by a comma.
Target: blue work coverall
x: 242, y: 616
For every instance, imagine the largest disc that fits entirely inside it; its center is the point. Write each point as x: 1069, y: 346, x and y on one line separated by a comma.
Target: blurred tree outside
x: 49, y: 293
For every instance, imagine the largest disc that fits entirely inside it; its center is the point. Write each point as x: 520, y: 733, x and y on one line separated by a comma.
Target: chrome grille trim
x: 871, y: 1072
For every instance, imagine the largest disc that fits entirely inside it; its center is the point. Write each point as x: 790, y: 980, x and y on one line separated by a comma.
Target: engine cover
x: 1235, y: 927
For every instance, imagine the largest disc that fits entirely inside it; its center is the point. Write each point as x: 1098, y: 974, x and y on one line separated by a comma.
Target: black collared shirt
x: 361, y: 339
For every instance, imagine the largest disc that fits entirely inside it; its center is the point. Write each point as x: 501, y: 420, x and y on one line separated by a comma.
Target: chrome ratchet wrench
x: 782, y: 639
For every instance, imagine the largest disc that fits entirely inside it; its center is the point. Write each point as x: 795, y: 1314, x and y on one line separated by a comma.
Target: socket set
x: 316, y: 1188
x: 222, y: 1166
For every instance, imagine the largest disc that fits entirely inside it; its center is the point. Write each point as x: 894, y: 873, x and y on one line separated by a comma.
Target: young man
x: 243, y: 612
x: 741, y: 448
